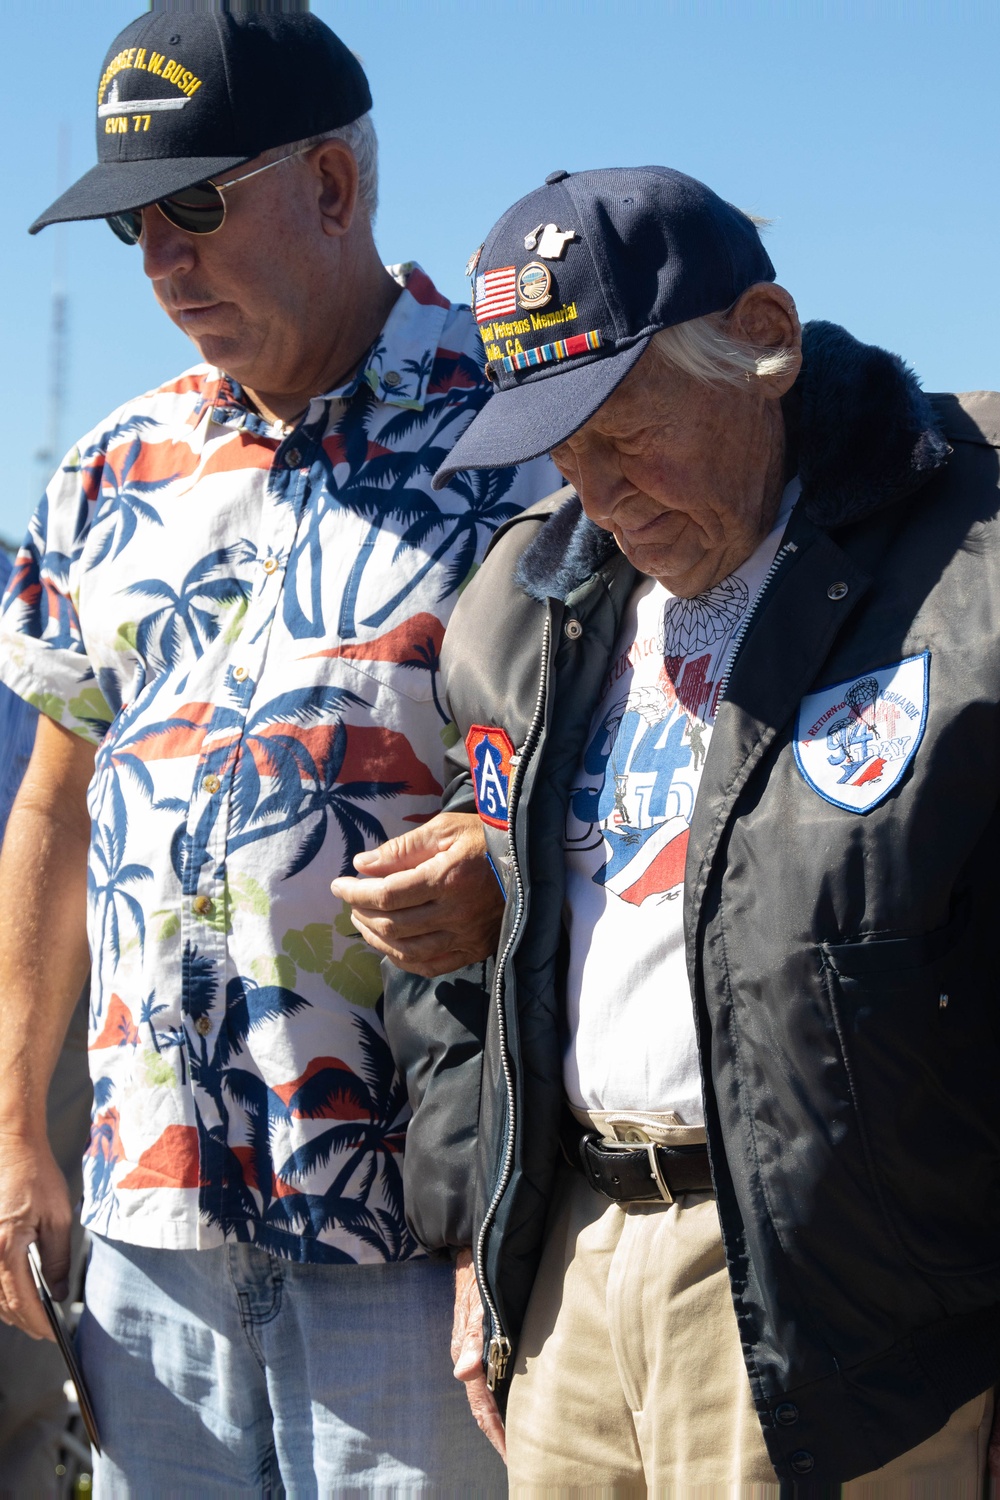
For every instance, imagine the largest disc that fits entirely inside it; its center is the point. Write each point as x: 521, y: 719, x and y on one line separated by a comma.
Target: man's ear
x: 765, y: 316
x: 337, y: 185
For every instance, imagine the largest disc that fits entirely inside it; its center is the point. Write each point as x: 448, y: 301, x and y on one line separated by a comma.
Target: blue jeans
x: 233, y: 1371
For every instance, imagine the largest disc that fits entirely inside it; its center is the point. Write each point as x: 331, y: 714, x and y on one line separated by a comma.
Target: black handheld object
x: 58, y: 1325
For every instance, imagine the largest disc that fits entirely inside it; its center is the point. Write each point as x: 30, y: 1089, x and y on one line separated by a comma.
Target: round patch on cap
x: 534, y: 285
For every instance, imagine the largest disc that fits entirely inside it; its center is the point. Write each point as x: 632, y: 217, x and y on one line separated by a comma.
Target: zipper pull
x: 496, y: 1361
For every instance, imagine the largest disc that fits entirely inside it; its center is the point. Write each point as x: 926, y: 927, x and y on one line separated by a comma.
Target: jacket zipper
x: 498, y: 1352
x: 740, y: 635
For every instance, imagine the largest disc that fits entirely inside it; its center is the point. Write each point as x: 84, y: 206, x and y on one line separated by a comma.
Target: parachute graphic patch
x: 490, y: 752
x: 854, y: 740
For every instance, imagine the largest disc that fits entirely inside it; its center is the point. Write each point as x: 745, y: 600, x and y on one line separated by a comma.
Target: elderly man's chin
x: 685, y: 570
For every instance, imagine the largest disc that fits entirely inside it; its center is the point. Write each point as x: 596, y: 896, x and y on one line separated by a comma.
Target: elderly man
x: 737, y: 1217
x: 235, y: 591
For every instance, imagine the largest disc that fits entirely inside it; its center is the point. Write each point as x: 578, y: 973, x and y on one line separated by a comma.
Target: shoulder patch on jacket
x: 490, y: 753
x: 854, y: 740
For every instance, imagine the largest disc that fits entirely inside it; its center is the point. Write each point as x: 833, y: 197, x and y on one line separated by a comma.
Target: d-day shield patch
x: 854, y: 740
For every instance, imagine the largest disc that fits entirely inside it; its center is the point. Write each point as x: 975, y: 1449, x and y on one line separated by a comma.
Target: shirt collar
x: 398, y: 365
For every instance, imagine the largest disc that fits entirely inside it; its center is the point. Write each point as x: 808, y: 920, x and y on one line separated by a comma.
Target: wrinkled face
x: 243, y: 294
x: 687, y: 476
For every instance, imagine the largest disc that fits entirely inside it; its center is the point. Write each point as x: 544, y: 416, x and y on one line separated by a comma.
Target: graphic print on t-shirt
x: 661, y: 696
x: 630, y: 1026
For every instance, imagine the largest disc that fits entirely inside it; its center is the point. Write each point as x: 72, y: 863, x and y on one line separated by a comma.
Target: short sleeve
x: 43, y: 657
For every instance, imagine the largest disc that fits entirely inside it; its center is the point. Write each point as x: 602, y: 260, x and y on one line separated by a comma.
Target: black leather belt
x: 628, y: 1173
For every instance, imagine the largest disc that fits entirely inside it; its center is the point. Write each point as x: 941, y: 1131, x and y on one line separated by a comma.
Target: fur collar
x: 859, y: 425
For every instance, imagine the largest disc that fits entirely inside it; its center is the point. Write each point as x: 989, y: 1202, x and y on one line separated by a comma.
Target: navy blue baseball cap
x: 572, y: 283
x: 185, y: 96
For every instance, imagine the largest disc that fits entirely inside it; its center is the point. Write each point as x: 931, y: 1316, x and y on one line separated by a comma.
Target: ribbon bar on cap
x: 579, y: 343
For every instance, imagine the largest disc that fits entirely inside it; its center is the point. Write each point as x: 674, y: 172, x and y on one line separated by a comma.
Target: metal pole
x: 49, y: 455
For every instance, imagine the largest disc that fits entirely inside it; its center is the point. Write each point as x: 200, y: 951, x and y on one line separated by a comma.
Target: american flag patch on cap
x: 495, y: 295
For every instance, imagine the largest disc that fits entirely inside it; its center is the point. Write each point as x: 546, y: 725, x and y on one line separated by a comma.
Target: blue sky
x: 869, y: 133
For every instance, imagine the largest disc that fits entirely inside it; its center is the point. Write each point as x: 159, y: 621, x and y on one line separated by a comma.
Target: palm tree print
x: 123, y: 498
x: 190, y: 614
x: 427, y: 658
x: 108, y: 880
x: 297, y: 743
x: 486, y: 508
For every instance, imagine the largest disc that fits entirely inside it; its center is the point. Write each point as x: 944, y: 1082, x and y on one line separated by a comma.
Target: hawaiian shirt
x: 245, y: 618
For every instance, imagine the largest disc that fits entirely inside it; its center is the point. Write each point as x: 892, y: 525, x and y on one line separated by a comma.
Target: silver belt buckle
x: 655, y: 1171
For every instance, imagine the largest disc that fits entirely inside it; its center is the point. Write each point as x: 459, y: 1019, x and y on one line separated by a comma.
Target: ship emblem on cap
x: 534, y: 285
x: 548, y: 241
x: 114, y: 105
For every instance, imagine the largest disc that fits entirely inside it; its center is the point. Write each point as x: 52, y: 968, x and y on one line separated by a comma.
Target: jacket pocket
x: 918, y: 1029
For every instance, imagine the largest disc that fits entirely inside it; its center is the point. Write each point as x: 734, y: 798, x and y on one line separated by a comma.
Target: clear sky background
x: 869, y: 133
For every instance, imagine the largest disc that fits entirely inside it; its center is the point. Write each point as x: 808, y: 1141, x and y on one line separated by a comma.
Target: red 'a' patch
x: 490, y: 753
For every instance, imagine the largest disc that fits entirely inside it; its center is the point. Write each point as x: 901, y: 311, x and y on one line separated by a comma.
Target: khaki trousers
x: 630, y: 1379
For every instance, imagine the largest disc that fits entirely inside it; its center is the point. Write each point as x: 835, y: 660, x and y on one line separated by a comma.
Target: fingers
x: 54, y: 1249
x: 467, y: 1331
x: 34, y: 1206
x: 444, y: 831
x: 467, y: 1352
x: 395, y: 891
x: 437, y: 956
x: 463, y: 1270
x: 487, y: 1414
x: 20, y: 1305
x: 434, y: 916
x: 407, y: 851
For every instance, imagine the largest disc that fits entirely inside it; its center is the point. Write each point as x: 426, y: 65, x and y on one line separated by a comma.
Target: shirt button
x: 203, y: 1026
x: 837, y: 591
x: 211, y: 784
x: 270, y: 563
x: 240, y: 673
x: 293, y: 458
x: 391, y: 377
x: 787, y: 1414
x: 203, y: 905
x: 802, y: 1462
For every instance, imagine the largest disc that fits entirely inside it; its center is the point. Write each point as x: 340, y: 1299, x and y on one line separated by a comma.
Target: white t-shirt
x: 631, y: 1027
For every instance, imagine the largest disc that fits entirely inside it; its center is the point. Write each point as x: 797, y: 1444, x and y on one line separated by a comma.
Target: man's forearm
x: 44, y: 956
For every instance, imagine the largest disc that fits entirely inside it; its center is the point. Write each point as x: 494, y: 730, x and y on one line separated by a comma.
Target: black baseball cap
x: 572, y: 283
x: 183, y: 97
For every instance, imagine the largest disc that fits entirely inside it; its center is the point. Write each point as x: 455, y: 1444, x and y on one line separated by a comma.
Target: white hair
x: 360, y: 136
x: 701, y: 349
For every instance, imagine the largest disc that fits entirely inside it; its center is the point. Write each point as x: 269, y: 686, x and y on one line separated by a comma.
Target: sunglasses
x: 197, y: 210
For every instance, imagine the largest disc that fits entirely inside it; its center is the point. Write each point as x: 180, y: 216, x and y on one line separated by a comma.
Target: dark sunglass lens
x: 127, y: 226
x: 197, y: 210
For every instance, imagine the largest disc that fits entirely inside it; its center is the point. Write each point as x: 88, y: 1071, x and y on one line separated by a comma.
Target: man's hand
x: 429, y: 899
x: 994, y: 1454
x: 44, y: 960
x: 34, y: 1205
x: 467, y: 1352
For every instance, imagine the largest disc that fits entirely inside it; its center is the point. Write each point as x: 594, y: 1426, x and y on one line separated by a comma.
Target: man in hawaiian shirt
x: 235, y: 591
